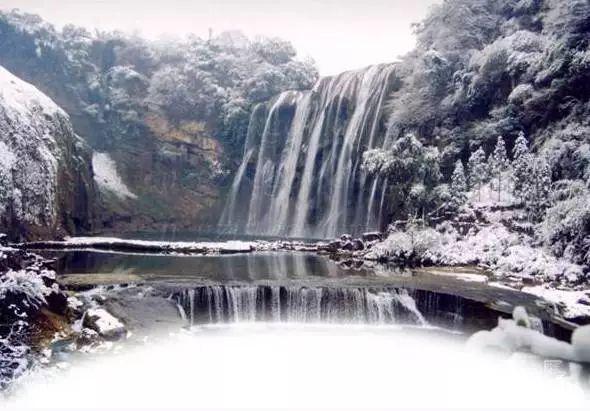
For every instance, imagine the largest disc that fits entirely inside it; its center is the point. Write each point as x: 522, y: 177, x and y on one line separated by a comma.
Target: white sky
x: 339, y: 34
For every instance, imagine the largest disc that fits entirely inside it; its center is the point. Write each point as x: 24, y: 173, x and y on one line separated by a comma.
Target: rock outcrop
x: 46, y: 187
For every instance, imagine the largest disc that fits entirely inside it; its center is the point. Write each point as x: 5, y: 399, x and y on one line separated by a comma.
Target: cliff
x: 46, y: 186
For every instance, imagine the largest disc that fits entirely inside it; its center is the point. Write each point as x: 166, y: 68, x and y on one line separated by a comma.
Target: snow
x: 107, y: 177
x: 567, y: 301
x: 105, y: 323
x: 516, y: 335
x: 487, y: 195
x: 510, y: 337
x: 28, y: 283
x: 24, y: 99
x: 164, y: 246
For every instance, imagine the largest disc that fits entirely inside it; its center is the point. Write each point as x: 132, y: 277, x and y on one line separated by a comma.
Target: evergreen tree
x: 538, y: 189
x: 458, y: 185
x: 521, y: 166
x: 477, y: 170
x: 499, y: 163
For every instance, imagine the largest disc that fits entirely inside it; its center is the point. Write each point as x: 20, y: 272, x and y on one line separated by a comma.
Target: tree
x: 521, y: 163
x: 412, y: 170
x: 537, y: 192
x: 477, y: 170
x: 458, y: 185
x: 499, y: 163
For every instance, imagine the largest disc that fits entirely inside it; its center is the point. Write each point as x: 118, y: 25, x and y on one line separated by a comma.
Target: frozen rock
x: 101, y: 321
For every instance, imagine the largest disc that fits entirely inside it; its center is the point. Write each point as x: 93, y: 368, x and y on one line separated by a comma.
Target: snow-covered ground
x: 107, y: 177
x: 571, y: 303
x: 499, y: 240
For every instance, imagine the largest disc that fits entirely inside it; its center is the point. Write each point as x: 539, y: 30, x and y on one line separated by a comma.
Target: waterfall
x: 307, y: 178
x: 248, y: 303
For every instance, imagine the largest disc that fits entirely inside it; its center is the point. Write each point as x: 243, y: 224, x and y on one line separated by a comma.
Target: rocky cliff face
x: 46, y: 186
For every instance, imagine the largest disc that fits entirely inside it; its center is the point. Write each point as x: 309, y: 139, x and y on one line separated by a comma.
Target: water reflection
x: 242, y: 267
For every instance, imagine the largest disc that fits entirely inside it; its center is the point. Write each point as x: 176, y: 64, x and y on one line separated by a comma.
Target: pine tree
x: 522, y: 162
x: 477, y: 170
x: 499, y: 163
x: 458, y: 185
x: 538, y: 189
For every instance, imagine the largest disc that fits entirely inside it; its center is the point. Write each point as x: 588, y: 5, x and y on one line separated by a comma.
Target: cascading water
x: 213, y: 304
x: 305, y: 162
x: 341, y: 305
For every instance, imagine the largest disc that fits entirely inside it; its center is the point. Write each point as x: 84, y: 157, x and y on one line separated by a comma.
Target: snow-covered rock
x: 45, y: 183
x: 570, y: 303
x: 105, y: 324
x: 514, y: 336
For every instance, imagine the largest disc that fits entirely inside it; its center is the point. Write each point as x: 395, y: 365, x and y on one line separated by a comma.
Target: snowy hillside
x: 40, y: 167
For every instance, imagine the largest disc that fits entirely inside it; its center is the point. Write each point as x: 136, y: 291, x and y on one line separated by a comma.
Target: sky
x: 338, y: 34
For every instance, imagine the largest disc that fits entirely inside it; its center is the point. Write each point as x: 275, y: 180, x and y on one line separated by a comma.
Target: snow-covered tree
x: 477, y: 169
x: 538, y: 189
x: 521, y: 164
x: 458, y: 184
x: 499, y: 163
x: 412, y: 169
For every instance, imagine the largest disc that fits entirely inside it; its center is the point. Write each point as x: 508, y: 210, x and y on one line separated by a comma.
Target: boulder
x: 358, y: 244
x: 348, y: 246
x: 106, y: 325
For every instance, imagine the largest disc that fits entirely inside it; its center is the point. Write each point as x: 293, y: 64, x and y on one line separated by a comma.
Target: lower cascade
x: 357, y: 305
x: 213, y: 304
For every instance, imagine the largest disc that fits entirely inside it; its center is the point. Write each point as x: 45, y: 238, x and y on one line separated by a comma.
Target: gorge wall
x: 164, y: 117
x: 46, y: 187
x: 300, y: 174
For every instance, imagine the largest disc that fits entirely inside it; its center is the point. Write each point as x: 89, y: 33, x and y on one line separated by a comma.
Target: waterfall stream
x: 300, y: 174
x: 213, y: 304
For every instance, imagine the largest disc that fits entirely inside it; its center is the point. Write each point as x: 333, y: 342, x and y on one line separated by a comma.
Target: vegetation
x: 113, y: 80
x: 509, y: 68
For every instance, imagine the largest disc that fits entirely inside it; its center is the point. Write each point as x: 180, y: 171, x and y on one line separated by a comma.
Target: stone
x: 345, y: 237
x: 372, y: 236
x: 105, y: 324
x: 348, y: 246
x: 358, y: 244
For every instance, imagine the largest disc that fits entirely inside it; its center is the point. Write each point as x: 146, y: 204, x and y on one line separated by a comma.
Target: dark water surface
x: 275, y: 266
